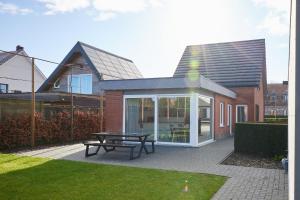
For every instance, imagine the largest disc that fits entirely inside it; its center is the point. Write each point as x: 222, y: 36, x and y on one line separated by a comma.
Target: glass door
x: 174, y: 119
x: 205, y: 114
x: 139, y: 116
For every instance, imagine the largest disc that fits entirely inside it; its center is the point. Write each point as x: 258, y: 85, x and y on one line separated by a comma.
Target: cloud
x: 105, y: 16
x: 63, y: 6
x: 13, y: 9
x: 276, y: 22
x: 103, y: 9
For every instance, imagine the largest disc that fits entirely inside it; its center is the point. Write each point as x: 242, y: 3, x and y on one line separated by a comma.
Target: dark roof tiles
x: 231, y: 64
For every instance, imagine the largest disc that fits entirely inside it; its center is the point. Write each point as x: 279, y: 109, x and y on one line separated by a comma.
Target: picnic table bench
x: 108, y: 142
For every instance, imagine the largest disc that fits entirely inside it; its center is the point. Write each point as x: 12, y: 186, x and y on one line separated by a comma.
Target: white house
x: 15, y: 72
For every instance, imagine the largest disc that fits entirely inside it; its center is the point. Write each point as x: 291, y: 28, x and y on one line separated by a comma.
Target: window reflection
x: 204, y: 119
x: 139, y: 116
x: 174, y: 119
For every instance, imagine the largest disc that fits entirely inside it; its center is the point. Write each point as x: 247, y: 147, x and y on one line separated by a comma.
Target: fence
x: 54, y: 123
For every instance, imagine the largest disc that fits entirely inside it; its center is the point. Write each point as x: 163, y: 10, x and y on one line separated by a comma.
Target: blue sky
x: 153, y: 33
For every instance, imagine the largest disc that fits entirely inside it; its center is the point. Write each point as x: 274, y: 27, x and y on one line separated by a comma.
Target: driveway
x: 244, y: 182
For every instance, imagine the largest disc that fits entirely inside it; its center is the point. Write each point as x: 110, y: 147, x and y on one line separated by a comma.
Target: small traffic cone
x: 186, y: 187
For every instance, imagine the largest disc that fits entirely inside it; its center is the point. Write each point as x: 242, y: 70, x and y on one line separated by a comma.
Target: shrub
x: 276, y: 120
x: 261, y: 138
x: 15, y: 130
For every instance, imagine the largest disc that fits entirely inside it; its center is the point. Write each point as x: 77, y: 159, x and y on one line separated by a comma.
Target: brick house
x: 213, y: 87
x: 276, y: 100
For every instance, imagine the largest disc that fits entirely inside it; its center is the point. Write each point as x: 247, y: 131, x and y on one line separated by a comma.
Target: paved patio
x: 244, y: 182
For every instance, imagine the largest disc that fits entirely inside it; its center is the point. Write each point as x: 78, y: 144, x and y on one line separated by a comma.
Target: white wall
x: 19, y: 67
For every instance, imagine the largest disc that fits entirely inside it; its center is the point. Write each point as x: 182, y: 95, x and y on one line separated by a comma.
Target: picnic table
x: 111, y: 141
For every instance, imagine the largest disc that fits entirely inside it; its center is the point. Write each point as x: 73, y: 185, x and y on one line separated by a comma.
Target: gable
x: 105, y: 65
x: 231, y: 64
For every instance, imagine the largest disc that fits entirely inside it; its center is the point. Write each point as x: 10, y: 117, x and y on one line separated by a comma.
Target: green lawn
x: 39, y: 178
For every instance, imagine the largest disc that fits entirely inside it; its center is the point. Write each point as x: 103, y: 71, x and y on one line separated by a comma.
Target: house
x: 213, y: 87
x: 276, y: 100
x: 13, y: 69
x: 84, y: 67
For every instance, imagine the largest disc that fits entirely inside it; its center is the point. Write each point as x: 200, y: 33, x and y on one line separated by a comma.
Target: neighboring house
x: 15, y: 72
x: 214, y: 86
x: 84, y: 67
x: 276, y: 100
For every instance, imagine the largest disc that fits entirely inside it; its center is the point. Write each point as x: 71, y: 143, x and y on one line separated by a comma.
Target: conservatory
x: 174, y: 111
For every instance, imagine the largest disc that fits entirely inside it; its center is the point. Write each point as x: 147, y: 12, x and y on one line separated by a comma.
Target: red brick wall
x: 245, y: 96
x: 113, y: 111
x: 251, y: 96
x: 259, y: 100
x: 224, y: 131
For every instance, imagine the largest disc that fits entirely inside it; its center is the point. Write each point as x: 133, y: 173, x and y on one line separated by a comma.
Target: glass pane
x: 174, y: 119
x: 139, y: 116
x: 204, y: 119
x: 75, y: 84
x: 241, y: 113
x: 86, y: 84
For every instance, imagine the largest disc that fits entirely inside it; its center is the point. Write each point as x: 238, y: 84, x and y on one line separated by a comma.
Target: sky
x: 152, y: 33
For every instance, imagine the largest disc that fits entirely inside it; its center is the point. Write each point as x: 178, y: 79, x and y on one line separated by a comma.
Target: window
x: 285, y: 97
x: 139, y: 116
x: 221, y: 114
x: 229, y: 114
x: 204, y: 119
x: 256, y: 112
x: 174, y: 119
x: 81, y: 83
x: 57, y: 84
x: 241, y: 113
x: 3, y: 88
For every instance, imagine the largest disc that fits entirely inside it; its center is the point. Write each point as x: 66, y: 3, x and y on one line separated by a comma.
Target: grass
x: 40, y: 178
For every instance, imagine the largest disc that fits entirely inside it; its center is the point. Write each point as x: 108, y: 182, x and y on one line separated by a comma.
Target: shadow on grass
x: 36, y: 178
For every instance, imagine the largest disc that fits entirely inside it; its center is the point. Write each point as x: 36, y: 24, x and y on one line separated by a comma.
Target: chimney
x: 19, y: 48
x: 285, y: 82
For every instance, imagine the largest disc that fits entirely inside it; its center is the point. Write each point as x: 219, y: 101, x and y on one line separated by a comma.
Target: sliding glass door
x: 174, y: 119
x: 139, y: 116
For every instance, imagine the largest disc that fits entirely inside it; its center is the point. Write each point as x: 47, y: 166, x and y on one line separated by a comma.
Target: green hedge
x: 266, y: 139
x: 276, y: 120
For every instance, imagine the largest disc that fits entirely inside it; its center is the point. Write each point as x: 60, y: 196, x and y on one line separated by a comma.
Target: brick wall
x: 224, y: 131
x: 113, y: 111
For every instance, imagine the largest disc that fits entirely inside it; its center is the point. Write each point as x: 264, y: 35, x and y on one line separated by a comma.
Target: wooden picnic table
x: 108, y: 142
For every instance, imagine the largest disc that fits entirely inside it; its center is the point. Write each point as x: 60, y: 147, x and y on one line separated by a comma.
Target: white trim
x: 193, y: 140
x: 221, y: 113
x: 229, y: 116
x: 236, y: 112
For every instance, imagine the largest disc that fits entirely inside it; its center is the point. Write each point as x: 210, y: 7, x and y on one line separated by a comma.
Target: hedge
x: 15, y: 130
x: 265, y: 139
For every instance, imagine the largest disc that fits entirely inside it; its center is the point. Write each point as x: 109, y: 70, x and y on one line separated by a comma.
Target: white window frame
x: 221, y: 114
x: 228, y: 113
x: 79, y: 75
x: 236, y: 112
x: 193, y: 116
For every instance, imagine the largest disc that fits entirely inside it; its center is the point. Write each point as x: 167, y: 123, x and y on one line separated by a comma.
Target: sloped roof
x: 231, y: 64
x: 4, y: 57
x: 107, y: 66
